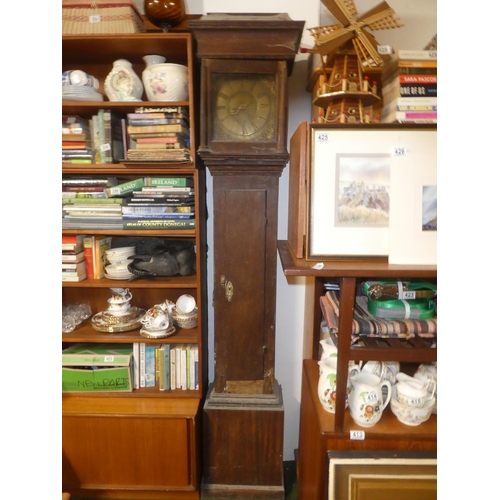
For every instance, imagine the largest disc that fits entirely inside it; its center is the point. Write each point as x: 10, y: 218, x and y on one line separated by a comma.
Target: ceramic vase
x: 122, y: 83
x: 165, y: 14
x: 164, y: 81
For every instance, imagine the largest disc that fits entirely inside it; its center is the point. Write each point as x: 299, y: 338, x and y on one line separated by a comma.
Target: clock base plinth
x: 243, y: 448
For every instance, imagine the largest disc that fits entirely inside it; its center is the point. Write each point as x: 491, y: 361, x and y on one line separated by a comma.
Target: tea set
x: 374, y: 385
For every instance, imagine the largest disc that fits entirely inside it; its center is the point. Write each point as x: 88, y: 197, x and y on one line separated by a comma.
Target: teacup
x: 412, y: 392
x: 156, y: 318
x: 185, y: 303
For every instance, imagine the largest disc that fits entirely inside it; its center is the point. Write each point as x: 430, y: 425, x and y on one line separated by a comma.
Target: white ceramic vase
x: 164, y: 81
x: 122, y: 83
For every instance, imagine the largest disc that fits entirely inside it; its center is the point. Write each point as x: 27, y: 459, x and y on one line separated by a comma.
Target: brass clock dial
x: 244, y: 107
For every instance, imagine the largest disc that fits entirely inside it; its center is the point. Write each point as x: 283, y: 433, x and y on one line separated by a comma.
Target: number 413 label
x: 357, y: 435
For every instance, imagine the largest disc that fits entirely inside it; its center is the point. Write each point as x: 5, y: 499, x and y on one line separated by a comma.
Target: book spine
x: 159, y: 224
x: 167, y: 366
x: 101, y: 244
x: 142, y: 364
x: 414, y: 115
x: 150, y: 366
x: 160, y: 365
x: 160, y: 109
x: 178, y: 367
x: 196, y: 368
x: 158, y: 216
x: 136, y: 363
x: 77, y: 161
x: 156, y: 209
x: 73, y: 278
x: 124, y: 188
x: 155, y: 121
x: 173, y: 368
x: 168, y: 181
x: 417, y: 55
x: 418, y: 79
x: 96, y: 140
x: 150, y: 129
x: 105, y: 121
x: 412, y: 90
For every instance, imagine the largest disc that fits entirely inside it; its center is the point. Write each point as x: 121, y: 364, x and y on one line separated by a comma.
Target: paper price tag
x: 322, y: 137
x: 357, y: 435
x: 409, y: 294
x: 106, y: 147
x: 109, y: 359
x: 385, y: 49
x: 95, y: 18
x: 400, y: 151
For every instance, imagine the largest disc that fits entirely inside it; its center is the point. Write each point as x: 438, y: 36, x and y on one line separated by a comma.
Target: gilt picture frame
x: 350, y: 187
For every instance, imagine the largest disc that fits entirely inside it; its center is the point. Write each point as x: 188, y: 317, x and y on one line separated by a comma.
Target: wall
x: 420, y: 20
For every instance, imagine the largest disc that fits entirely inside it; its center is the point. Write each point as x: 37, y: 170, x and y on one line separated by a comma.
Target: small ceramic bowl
x: 185, y: 304
x: 410, y: 415
x: 185, y: 320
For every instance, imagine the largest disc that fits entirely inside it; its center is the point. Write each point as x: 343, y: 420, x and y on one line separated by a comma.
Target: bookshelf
x: 145, y: 443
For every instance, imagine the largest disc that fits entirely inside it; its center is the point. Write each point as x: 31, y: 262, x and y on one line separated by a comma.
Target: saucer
x: 154, y: 333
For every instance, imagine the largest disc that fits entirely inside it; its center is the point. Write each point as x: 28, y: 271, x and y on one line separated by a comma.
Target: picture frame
x: 391, y: 475
x: 350, y: 186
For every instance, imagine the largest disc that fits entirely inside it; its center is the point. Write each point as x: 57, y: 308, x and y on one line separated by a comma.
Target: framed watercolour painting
x: 350, y: 187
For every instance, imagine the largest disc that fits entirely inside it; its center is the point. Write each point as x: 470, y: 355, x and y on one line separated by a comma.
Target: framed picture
x: 391, y: 475
x: 351, y: 189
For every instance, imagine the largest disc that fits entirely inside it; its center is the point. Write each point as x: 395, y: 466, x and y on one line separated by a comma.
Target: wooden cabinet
x: 145, y: 443
x: 321, y: 431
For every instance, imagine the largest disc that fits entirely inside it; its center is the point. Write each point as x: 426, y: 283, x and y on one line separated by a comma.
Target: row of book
x: 84, y: 256
x: 166, y: 366
x: 409, y: 87
x: 148, y: 134
x: 164, y: 202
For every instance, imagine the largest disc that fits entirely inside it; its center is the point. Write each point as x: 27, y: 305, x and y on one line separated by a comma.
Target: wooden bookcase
x: 145, y: 443
x: 320, y: 431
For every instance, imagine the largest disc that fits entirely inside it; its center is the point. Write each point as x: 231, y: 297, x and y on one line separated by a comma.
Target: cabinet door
x: 245, y: 213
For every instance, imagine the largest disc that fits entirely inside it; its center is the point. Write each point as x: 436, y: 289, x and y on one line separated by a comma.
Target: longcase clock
x: 245, y: 62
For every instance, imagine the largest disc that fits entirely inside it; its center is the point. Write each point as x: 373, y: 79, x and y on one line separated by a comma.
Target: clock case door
x: 212, y: 70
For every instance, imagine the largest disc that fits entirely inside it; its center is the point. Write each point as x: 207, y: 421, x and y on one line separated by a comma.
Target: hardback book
x: 73, y: 278
x: 81, y: 195
x: 160, y: 365
x: 158, y: 216
x: 96, y: 139
x: 77, y: 161
x: 161, y: 109
x: 92, y: 201
x: 177, y: 155
x: 416, y: 55
x: 74, y: 137
x: 73, y: 242
x: 172, y: 145
x: 157, y: 121
x: 101, y: 244
x: 171, y: 201
x: 165, y: 380
x: 125, y: 187
x: 165, y: 188
x: 173, y: 369
x: 142, y: 223
x: 75, y: 129
x: 83, y: 189
x: 174, y: 210
x: 135, y: 364
x: 89, y: 181
x: 168, y: 182
x: 142, y: 364
x: 73, y: 273
x: 112, y: 147
x: 151, y: 129
x: 157, y: 366
x: 178, y: 135
x: 77, y: 152
x: 150, y: 368
x: 178, y: 367
x: 161, y: 140
x: 73, y: 257
x: 88, y: 251
x: 75, y: 145
x: 78, y: 267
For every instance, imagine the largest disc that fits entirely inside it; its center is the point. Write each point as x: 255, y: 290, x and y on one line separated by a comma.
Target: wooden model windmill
x: 344, y: 92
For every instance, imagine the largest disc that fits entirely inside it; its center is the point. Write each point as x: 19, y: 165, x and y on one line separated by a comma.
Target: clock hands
x: 236, y: 110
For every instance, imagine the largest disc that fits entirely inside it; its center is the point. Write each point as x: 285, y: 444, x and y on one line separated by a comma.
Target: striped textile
x: 365, y: 324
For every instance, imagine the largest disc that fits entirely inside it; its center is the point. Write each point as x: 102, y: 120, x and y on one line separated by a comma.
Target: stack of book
x: 76, y: 140
x: 165, y: 366
x: 107, y: 138
x: 73, y: 258
x: 94, y: 250
x: 85, y: 204
x: 409, y: 87
x: 157, y: 202
x: 158, y: 134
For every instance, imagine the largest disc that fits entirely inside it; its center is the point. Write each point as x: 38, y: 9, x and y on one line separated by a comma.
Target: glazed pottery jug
x: 327, y: 383
x: 366, y: 399
x: 329, y: 349
x: 122, y: 83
